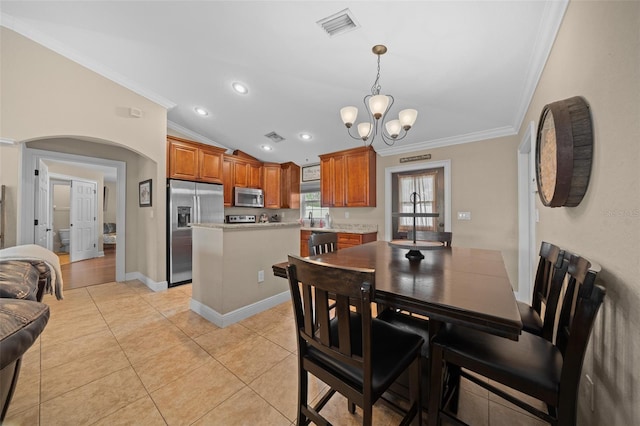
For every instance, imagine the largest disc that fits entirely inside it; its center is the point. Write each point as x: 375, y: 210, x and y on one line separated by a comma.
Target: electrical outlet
x: 464, y: 215
x: 260, y: 276
x: 346, y: 215
x: 591, y: 392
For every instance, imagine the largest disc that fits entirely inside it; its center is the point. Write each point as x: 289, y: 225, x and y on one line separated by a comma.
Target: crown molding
x: 453, y: 140
x: 50, y: 43
x: 193, y: 135
x: 552, y: 17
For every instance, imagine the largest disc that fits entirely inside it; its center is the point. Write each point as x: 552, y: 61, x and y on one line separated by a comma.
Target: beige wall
x: 46, y: 96
x: 483, y: 182
x: 9, y: 176
x: 597, y: 55
x: 111, y: 202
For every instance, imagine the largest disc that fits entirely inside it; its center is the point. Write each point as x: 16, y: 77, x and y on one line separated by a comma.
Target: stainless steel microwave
x: 248, y: 197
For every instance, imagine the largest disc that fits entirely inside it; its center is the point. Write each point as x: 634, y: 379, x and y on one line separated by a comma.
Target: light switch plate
x: 464, y: 215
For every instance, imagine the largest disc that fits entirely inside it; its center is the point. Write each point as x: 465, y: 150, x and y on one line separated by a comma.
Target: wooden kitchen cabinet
x: 304, y: 243
x: 255, y: 175
x: 188, y: 160
x: 227, y: 180
x: 290, y: 186
x: 348, y: 178
x: 346, y: 240
x: 271, y: 185
x: 332, y: 181
x: 240, y: 171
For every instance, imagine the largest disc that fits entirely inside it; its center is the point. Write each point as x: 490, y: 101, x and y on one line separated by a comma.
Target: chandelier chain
x: 375, y: 89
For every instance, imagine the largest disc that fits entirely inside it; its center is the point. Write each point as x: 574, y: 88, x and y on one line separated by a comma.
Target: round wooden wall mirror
x: 564, y: 148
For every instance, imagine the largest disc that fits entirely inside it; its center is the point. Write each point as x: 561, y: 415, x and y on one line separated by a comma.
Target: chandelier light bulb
x: 407, y: 118
x: 378, y: 104
x: 348, y: 115
x: 363, y: 130
x: 393, y: 128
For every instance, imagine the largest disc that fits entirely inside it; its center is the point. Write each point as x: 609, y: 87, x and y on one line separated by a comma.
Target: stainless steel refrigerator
x: 188, y: 202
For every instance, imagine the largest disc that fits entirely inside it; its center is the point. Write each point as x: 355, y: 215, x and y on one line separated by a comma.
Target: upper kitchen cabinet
x: 348, y: 178
x: 271, y: 186
x: 290, y: 188
x: 240, y: 170
x: 193, y: 161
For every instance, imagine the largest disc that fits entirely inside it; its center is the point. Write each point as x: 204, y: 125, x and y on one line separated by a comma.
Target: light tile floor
x: 118, y: 353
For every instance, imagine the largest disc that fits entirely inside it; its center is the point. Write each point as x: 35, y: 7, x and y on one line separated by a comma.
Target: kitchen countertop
x: 247, y: 226
x: 342, y: 227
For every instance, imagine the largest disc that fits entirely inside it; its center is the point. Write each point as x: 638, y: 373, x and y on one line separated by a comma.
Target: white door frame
x: 43, y: 230
x: 526, y: 214
x: 26, y: 199
x: 423, y: 165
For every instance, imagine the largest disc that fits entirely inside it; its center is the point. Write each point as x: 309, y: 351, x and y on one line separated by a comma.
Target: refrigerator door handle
x: 198, y: 206
x: 195, y: 209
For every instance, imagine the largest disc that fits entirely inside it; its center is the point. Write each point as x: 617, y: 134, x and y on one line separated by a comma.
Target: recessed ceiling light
x: 267, y: 147
x: 201, y: 111
x: 306, y: 136
x: 240, y: 88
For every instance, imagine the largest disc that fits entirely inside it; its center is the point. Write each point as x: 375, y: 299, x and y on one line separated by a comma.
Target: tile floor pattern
x: 118, y: 353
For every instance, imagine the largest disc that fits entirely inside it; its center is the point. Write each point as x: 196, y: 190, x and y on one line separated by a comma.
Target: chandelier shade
x: 378, y: 106
x: 349, y: 115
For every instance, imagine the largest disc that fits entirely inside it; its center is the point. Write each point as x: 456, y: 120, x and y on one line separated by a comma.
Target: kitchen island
x: 232, y: 277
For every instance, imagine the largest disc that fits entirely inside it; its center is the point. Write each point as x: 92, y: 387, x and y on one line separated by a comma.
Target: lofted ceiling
x: 468, y: 67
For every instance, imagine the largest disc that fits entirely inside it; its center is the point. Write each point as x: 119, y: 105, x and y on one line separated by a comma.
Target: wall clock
x: 564, y: 147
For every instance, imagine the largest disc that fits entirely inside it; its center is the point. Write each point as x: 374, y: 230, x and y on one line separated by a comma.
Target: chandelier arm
x: 349, y: 133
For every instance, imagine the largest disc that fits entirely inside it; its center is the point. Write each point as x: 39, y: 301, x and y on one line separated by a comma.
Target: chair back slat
x: 580, y: 284
x: 443, y: 237
x: 550, y: 258
x: 344, y: 326
x: 321, y: 243
x: 311, y: 283
x: 322, y: 315
x: 558, y: 267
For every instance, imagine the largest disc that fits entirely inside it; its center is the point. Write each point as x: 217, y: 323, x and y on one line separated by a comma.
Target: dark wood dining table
x: 464, y: 286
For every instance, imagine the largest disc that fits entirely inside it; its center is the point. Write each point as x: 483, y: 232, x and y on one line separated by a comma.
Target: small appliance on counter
x: 244, y: 218
x: 264, y: 218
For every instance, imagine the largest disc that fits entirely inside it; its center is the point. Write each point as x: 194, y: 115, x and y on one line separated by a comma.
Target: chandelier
x: 378, y: 106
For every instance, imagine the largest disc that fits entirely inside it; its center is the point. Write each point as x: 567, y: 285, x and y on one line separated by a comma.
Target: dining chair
x: 549, y: 372
x: 438, y: 236
x: 321, y: 243
x: 545, y: 293
x: 356, y: 355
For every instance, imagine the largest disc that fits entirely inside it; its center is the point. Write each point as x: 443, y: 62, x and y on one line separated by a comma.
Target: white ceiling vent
x: 274, y: 137
x: 339, y: 23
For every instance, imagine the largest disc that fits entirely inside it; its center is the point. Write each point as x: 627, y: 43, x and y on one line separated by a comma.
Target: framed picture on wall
x: 310, y: 173
x: 144, y: 193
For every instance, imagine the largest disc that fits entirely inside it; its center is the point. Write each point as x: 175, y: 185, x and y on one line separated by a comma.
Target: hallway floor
x: 98, y: 270
x: 119, y: 353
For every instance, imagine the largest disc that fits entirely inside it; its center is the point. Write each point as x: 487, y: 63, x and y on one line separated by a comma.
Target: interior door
x: 84, y: 235
x: 42, y: 218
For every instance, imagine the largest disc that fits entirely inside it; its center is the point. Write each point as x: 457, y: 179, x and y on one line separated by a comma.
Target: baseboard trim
x: 224, y: 320
x: 153, y: 285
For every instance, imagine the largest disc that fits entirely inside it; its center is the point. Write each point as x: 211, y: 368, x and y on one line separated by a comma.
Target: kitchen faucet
x: 311, y: 220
